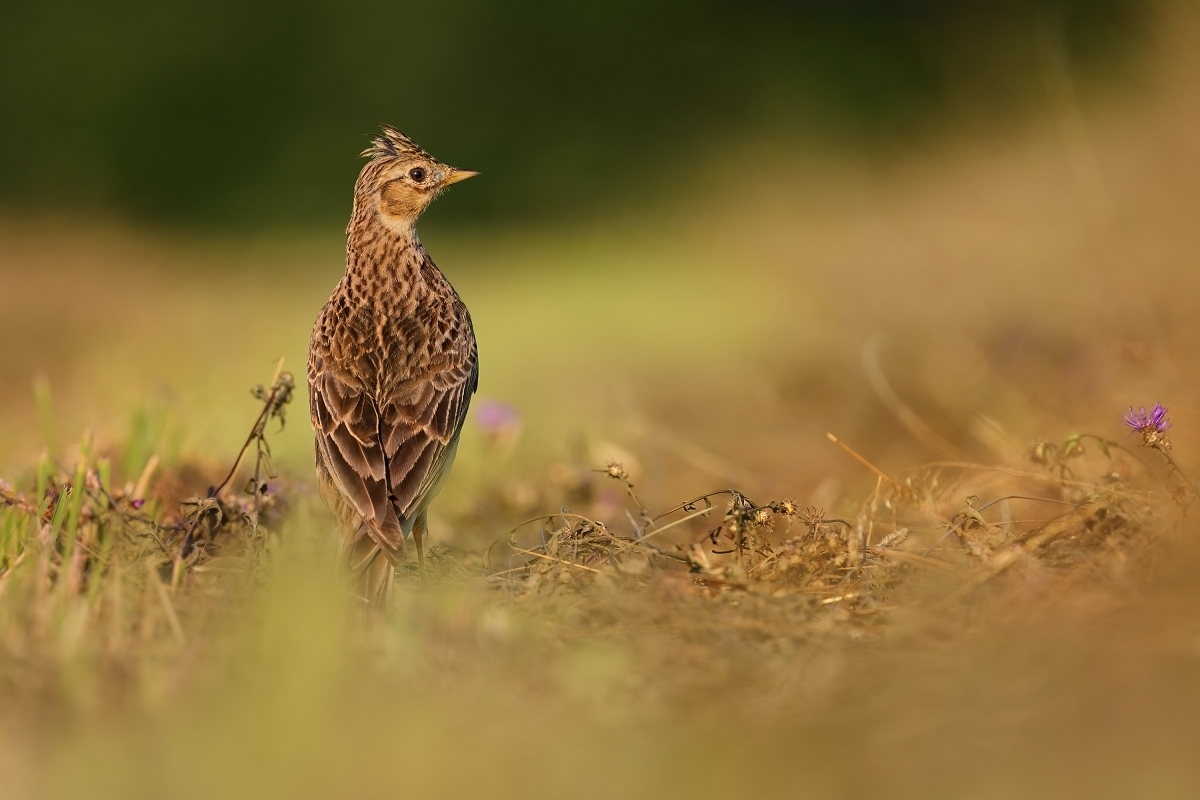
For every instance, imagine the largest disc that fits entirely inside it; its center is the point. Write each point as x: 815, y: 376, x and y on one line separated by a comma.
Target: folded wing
x: 386, y: 453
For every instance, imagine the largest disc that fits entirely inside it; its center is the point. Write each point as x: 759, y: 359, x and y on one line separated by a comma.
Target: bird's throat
x: 380, y: 257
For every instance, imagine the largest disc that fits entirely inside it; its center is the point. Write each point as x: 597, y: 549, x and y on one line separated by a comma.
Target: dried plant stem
x: 270, y: 408
x: 884, y: 476
x: 1173, y: 467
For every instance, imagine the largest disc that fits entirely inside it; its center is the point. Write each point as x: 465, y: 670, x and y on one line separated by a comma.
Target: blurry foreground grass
x: 980, y: 629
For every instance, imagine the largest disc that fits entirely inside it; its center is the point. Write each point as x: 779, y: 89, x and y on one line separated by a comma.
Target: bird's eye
x: 417, y: 174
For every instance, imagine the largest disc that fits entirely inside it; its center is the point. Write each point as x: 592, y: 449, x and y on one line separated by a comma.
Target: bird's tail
x: 374, y: 569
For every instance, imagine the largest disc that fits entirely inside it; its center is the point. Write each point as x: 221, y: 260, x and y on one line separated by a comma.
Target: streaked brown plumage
x: 392, y: 366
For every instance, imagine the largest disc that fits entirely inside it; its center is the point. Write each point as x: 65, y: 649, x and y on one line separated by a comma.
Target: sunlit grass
x: 618, y: 641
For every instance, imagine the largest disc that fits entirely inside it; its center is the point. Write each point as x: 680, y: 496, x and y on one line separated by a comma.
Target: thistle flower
x: 500, y: 423
x: 496, y: 418
x: 1156, y: 419
x: 1152, y: 425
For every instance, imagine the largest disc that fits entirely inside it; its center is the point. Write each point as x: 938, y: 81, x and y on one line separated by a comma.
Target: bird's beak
x: 455, y: 175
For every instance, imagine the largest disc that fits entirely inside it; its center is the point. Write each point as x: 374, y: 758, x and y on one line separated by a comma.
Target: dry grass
x: 128, y: 610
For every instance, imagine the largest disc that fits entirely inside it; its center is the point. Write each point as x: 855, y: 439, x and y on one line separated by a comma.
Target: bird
x: 392, y: 366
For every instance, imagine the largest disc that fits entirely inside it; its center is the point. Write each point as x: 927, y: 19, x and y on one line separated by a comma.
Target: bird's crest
x: 392, y: 143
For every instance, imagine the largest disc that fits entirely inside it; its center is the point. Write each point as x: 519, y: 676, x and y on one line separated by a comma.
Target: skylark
x: 392, y: 366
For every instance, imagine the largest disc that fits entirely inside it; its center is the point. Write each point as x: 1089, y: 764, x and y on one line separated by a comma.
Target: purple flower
x: 138, y: 503
x: 1154, y: 422
x: 495, y: 417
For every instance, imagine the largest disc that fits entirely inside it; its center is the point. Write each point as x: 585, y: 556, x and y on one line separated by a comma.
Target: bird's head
x: 401, y: 180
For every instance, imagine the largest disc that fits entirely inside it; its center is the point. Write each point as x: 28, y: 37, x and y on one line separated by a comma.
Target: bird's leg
x: 418, y: 534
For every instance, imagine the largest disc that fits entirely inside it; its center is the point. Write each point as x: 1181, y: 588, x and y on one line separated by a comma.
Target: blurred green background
x: 238, y: 115
x: 175, y: 180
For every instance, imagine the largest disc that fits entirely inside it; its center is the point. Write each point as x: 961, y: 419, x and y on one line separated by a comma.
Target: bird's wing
x: 346, y: 422
x: 384, y: 455
x: 419, y: 421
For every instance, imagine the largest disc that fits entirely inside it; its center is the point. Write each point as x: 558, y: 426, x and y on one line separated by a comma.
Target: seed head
x: 1044, y: 453
x: 812, y: 517
x: 616, y: 471
x: 789, y: 508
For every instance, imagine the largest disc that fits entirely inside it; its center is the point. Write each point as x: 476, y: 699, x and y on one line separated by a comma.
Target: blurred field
x: 958, y: 303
